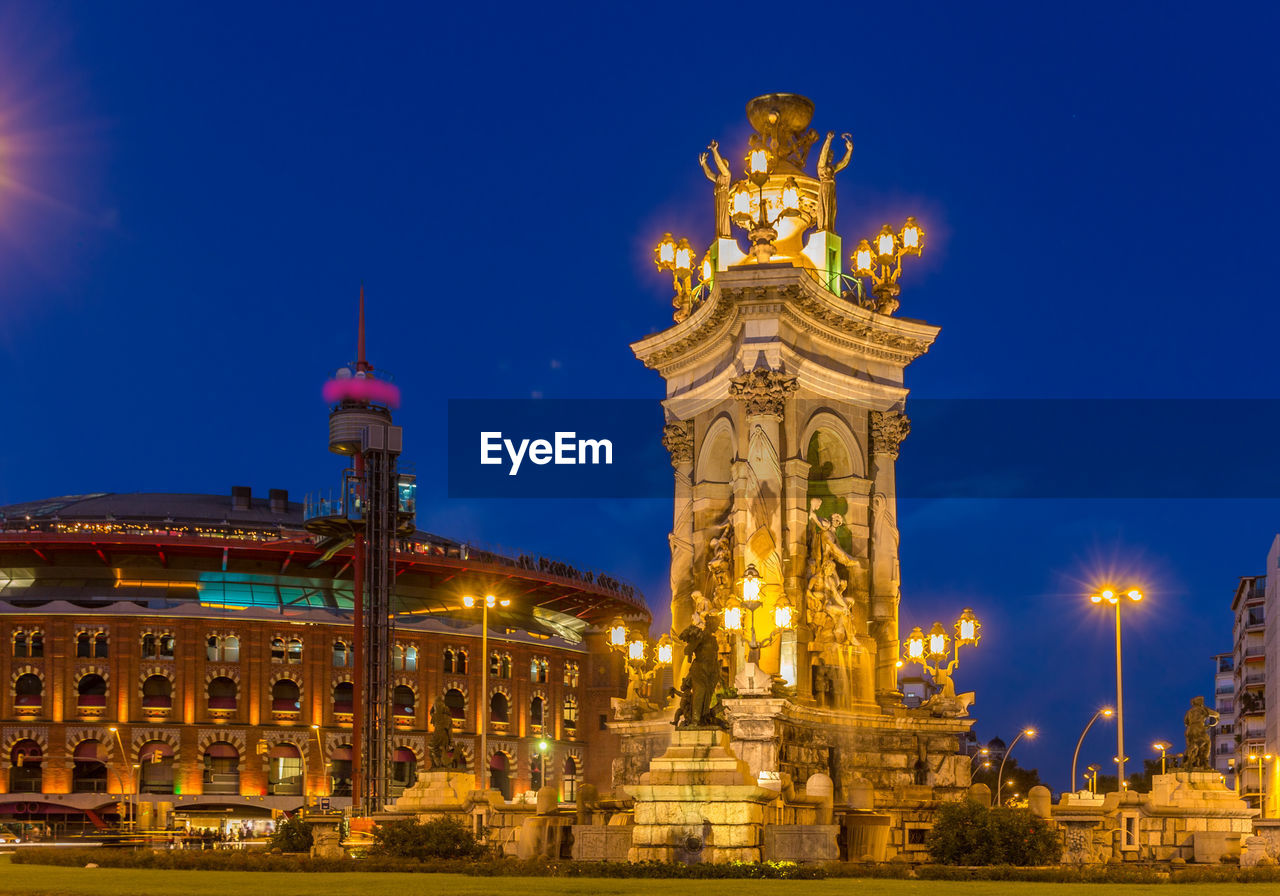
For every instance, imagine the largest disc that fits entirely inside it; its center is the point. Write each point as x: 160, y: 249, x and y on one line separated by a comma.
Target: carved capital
x: 763, y: 391
x: 677, y: 438
x: 888, y: 429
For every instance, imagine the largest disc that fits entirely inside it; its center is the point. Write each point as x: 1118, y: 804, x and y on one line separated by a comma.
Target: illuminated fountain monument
x: 786, y: 408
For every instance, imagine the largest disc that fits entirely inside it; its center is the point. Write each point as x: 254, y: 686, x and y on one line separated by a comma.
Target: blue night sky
x: 190, y: 197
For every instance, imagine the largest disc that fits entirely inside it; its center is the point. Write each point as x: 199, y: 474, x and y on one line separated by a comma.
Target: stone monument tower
x: 785, y: 407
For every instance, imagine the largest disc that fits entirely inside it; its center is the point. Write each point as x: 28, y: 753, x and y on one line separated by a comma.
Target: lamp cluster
x: 881, y: 260
x: 934, y: 650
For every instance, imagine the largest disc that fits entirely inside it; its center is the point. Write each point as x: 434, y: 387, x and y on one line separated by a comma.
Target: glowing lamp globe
x: 663, y: 652
x: 733, y: 619
x: 915, y: 646
x: 741, y: 200
x: 683, y: 256
x: 791, y: 195
x: 886, y: 243
x: 783, y: 613
x: 938, y: 642
x: 707, y: 269
x: 968, y: 629
x: 751, y: 587
x: 664, y: 254
x: 617, y: 634
x: 862, y: 259
x: 912, y: 237
x: 635, y: 650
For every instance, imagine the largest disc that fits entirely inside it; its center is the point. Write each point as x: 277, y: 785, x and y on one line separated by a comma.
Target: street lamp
x: 981, y: 754
x: 783, y: 615
x: 1110, y: 596
x: 482, y: 711
x: 124, y: 758
x: 1105, y: 711
x: 542, y: 763
x: 1093, y: 781
x: 1163, y: 748
x: 933, y: 650
x: 760, y: 230
x: 1027, y: 732
x: 1262, y: 785
x: 676, y: 256
x: 881, y: 260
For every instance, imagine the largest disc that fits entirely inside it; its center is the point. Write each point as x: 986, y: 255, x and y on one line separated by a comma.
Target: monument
x: 786, y: 407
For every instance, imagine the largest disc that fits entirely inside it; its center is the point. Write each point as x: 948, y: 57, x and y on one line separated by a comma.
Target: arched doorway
x: 284, y: 770
x: 500, y: 774
x: 570, y: 780
x: 89, y: 768
x: 340, y: 770
x: 25, y: 769
x: 221, y: 768
x: 155, y: 774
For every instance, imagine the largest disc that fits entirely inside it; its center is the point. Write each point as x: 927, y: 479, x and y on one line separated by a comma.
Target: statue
x: 722, y: 177
x: 440, y: 753
x: 827, y: 180
x: 684, y: 710
x: 720, y: 567
x: 1198, y: 720
x: 703, y: 649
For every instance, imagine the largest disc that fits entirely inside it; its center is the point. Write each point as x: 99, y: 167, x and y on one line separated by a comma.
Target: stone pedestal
x: 698, y: 803
x: 437, y: 792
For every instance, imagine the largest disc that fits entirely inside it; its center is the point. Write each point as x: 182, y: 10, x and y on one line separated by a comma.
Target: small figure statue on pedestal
x: 722, y: 177
x: 827, y: 180
x: 1198, y: 720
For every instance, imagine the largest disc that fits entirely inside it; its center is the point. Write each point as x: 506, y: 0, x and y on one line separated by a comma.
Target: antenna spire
x: 361, y: 363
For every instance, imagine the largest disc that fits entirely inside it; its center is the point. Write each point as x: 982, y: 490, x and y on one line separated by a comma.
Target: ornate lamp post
x: 760, y: 229
x: 643, y: 660
x: 1025, y: 732
x: 1104, y: 711
x: 677, y: 257
x: 1163, y: 748
x: 783, y: 618
x: 881, y: 260
x: 935, y: 649
x: 1109, y: 595
x: 482, y: 711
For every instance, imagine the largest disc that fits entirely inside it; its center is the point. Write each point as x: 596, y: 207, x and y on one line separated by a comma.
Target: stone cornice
x: 793, y: 294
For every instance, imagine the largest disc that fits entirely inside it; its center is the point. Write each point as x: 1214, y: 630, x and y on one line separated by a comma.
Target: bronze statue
x: 704, y: 671
x: 723, y: 179
x: 440, y: 744
x: 1198, y: 734
x: 827, y: 180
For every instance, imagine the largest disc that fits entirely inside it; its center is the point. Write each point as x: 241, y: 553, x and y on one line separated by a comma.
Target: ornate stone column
x: 764, y: 394
x: 677, y: 438
x: 888, y: 429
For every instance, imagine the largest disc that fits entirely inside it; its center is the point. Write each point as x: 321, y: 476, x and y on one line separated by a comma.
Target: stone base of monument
x: 698, y: 803
x: 601, y: 843
x: 801, y: 843
x: 1188, y: 815
x: 439, y: 791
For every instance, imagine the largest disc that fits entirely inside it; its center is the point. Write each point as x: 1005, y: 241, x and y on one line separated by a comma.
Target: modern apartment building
x: 1249, y: 657
x: 1224, y: 701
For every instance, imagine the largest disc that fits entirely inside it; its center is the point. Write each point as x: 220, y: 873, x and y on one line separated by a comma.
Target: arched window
x: 293, y: 651
x: 341, y: 655
x: 100, y: 646
x: 397, y: 658
x: 222, y: 693
x: 286, y: 696
x: 149, y: 647
x: 155, y: 771
x: 538, y: 670
x: 284, y: 771
x: 277, y: 650
x: 570, y: 780
x: 457, y: 703
x: 404, y: 770
x: 157, y: 647
x: 495, y: 666
x: 25, y: 768
x: 89, y: 768
x: 571, y: 675
x: 500, y: 774
x: 231, y: 649
x: 157, y: 693
x: 340, y: 770
x: 20, y: 645
x: 212, y: 653
x: 91, y: 691
x: 343, y: 697
x: 535, y: 712
x: 84, y: 646
x: 166, y: 646
x: 36, y: 642
x: 570, y: 716
x: 222, y: 768
x: 28, y: 690
x: 460, y: 662
x: 402, y: 702
x: 448, y: 661
x: 499, y: 708
x: 411, y: 659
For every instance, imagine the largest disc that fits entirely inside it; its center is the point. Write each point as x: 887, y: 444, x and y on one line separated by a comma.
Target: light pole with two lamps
x: 1262, y: 785
x: 482, y: 711
x: 1104, y: 711
x: 1110, y: 596
x: 1092, y: 776
x: 1025, y: 732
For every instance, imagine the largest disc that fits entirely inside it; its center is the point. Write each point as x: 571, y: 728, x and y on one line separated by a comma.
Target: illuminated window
x: 570, y: 716
x: 538, y: 670
x: 293, y: 651
x: 411, y: 659
x: 402, y: 702
x: 341, y: 655
x: 457, y: 703
x: 535, y: 711
x: 571, y: 675
x: 277, y: 650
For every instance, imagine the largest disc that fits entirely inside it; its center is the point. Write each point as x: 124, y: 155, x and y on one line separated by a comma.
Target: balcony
x: 502, y: 729
x: 91, y: 706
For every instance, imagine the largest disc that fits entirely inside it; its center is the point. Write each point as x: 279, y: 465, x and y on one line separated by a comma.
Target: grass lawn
x: 37, y: 880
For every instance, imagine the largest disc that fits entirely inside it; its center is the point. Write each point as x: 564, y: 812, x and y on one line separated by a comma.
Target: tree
x: 291, y: 835
x: 439, y: 838
x: 968, y: 833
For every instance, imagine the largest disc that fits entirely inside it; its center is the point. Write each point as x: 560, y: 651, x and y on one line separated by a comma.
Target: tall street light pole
x: 315, y: 729
x: 1105, y: 711
x: 1027, y: 732
x: 124, y: 762
x: 1163, y: 748
x: 1110, y: 596
x: 482, y: 711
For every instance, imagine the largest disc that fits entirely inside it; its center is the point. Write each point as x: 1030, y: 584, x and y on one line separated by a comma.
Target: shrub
x: 966, y: 833
x: 439, y: 838
x: 291, y: 835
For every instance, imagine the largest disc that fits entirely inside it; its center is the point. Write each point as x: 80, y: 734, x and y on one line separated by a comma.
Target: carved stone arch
x: 156, y: 669
x: 13, y: 736
x: 332, y: 741
x: 844, y: 438
x: 539, y: 692
x: 339, y: 677
x: 83, y: 669
x: 92, y: 628
x: 500, y: 689
x: 507, y: 747
x: 456, y: 684
x: 408, y: 681
x: 574, y: 753
x: 81, y: 733
x: 415, y: 745
x: 143, y: 736
x: 296, y: 737
x: 294, y: 675
x: 232, y: 672
x: 709, y: 468
x: 233, y: 736
x: 27, y: 670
